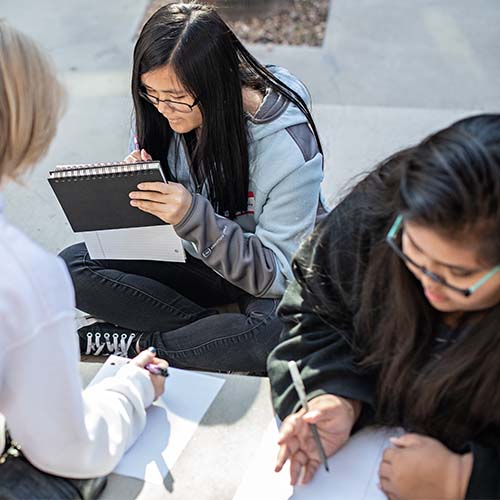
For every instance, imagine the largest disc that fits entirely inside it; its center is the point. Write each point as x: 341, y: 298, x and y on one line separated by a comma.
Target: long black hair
x: 213, y: 65
x: 450, y: 182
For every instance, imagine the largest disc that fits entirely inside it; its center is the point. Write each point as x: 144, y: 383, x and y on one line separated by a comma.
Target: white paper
x: 353, y: 471
x: 171, y: 421
x: 136, y: 243
x: 260, y: 481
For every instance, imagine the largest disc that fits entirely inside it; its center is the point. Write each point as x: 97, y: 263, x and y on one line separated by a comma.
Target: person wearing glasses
x: 243, y: 160
x: 394, y: 320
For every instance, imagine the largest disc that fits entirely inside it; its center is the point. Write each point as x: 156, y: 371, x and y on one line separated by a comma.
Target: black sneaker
x: 103, y: 339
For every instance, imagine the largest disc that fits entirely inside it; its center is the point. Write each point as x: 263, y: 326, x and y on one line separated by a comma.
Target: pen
x: 156, y: 370
x: 301, y: 391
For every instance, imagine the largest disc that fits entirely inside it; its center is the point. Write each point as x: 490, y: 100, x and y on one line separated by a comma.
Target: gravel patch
x: 287, y: 22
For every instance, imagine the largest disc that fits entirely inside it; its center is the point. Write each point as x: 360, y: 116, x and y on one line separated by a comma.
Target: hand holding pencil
x: 334, y: 418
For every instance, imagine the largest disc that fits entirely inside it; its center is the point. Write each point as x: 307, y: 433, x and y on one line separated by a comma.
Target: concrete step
x: 423, y: 54
x: 356, y: 138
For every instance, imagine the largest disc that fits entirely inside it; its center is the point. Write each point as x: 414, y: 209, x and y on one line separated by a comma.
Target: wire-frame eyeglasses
x: 391, y: 239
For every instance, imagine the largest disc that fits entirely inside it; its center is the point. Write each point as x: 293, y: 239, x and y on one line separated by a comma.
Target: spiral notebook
x: 95, y: 197
x: 95, y: 200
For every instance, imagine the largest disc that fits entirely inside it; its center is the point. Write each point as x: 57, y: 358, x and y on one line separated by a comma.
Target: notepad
x: 353, y: 470
x: 170, y: 422
x: 95, y: 196
x: 95, y: 200
x: 137, y: 243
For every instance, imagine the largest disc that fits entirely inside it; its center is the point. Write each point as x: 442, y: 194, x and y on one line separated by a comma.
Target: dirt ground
x: 289, y: 22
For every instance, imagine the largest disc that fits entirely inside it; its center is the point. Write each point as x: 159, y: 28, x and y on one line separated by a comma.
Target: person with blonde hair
x: 58, y: 435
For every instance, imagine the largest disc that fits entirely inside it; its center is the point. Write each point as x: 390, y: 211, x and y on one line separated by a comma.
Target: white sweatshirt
x: 60, y: 429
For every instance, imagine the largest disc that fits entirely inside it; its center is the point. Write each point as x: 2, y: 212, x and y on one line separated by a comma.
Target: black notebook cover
x: 95, y: 197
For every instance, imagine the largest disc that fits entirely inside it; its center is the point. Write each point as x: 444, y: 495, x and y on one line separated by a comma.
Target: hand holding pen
x: 169, y: 201
x: 333, y: 416
x: 301, y: 392
x: 139, y: 154
x: 157, y: 368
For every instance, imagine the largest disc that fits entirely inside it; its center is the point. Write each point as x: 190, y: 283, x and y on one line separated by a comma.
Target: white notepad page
x: 136, y: 243
x: 353, y: 471
x: 171, y: 421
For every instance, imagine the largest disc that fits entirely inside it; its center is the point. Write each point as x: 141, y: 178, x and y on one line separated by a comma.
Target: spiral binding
x: 93, y: 170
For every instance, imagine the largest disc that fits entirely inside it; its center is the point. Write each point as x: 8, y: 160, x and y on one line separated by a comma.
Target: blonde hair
x: 31, y: 102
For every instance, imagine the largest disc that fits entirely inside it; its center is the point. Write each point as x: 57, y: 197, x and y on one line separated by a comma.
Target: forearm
x: 223, y: 246
x: 67, y: 434
x: 465, y: 471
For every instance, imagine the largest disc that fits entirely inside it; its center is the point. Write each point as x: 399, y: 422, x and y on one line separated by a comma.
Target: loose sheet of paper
x: 171, y: 421
x: 136, y: 243
x: 353, y: 471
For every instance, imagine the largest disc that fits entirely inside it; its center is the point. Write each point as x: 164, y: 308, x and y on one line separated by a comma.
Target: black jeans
x: 171, y: 304
x: 19, y: 480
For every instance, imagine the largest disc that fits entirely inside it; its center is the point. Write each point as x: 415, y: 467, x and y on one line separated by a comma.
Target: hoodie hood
x: 265, y: 122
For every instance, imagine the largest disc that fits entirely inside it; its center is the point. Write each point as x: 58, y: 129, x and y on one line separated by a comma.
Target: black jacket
x: 319, y: 322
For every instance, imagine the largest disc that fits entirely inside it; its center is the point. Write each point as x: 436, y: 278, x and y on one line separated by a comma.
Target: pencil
x: 301, y: 391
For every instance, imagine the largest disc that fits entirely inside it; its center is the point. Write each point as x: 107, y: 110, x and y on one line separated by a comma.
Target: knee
x: 74, y: 257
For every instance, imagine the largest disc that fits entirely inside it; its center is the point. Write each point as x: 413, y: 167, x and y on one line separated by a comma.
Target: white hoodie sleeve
x: 60, y: 429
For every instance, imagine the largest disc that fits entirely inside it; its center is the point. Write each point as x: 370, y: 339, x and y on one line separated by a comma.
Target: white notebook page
x: 171, y: 421
x: 136, y: 243
x: 353, y: 471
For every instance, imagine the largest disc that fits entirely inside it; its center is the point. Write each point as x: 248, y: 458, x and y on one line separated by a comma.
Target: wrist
x: 355, y: 407
x: 183, y: 225
x: 465, y: 471
x: 457, y: 478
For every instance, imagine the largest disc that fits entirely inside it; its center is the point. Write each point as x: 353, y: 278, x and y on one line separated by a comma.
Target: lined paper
x: 137, y: 243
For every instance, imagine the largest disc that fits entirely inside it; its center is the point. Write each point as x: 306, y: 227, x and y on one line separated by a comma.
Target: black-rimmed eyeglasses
x: 181, y: 107
x: 391, y: 239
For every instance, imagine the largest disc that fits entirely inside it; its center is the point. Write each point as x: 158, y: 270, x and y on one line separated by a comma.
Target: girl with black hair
x: 244, y: 164
x: 394, y: 319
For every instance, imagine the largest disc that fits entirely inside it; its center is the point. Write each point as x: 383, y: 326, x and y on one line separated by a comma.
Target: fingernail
x: 152, y: 349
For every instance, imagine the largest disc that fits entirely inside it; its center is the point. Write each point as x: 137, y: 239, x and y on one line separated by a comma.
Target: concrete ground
x: 390, y: 72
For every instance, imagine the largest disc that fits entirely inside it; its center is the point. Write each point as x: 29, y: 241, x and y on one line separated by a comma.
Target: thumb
x: 145, y: 155
x: 144, y: 358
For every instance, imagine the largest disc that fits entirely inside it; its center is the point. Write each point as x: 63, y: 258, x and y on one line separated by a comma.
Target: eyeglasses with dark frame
x: 181, y: 107
x: 466, y: 292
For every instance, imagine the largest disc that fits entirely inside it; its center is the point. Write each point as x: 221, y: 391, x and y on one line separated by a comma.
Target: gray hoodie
x: 254, y: 250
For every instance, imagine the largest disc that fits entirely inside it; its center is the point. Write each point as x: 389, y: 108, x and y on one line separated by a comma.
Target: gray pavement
x: 390, y: 71
x: 91, y: 43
